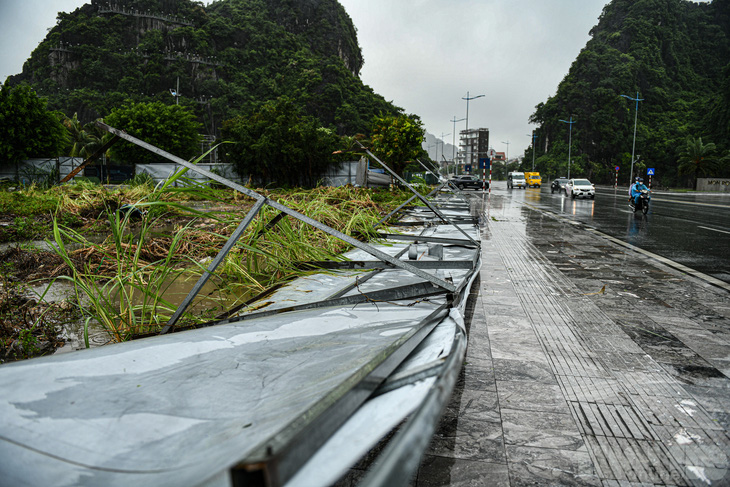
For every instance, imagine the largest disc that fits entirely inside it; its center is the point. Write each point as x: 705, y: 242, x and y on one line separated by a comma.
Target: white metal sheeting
x: 174, y: 409
x: 258, y: 396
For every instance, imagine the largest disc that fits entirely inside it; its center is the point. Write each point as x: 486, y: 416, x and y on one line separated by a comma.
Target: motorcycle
x: 643, y: 203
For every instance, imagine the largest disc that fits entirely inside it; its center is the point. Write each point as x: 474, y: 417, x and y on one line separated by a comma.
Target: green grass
x: 126, y: 279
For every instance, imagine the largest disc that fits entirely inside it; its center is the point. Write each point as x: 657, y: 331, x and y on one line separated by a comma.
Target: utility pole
x: 442, y: 147
x: 534, y: 138
x: 570, y: 139
x: 633, y: 146
x: 506, y: 157
x: 466, y: 134
x: 453, y: 139
x: 176, y: 92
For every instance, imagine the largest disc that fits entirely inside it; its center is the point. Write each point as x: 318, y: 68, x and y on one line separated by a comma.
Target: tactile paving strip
x: 639, y: 424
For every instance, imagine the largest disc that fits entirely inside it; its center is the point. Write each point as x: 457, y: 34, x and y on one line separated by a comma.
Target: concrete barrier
x: 718, y: 185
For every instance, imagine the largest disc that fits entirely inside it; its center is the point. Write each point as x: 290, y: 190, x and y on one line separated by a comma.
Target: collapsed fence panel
x: 249, y: 402
x: 249, y: 192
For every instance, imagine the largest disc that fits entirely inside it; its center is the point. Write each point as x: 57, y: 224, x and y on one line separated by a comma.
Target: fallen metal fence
x: 262, y: 200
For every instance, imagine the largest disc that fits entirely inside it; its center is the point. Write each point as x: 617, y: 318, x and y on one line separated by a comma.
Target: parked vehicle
x: 643, y: 203
x: 516, y: 179
x: 468, y: 181
x: 558, y: 185
x: 580, y: 187
x: 533, y: 179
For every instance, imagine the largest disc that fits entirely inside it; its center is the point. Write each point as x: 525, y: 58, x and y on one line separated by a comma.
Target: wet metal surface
x: 588, y: 363
x: 256, y: 397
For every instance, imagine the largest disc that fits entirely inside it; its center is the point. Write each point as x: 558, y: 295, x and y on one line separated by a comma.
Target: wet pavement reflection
x: 590, y: 363
x: 692, y: 229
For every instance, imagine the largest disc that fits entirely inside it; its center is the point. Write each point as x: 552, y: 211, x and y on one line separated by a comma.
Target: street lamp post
x: 442, y: 148
x: 453, y: 138
x: 534, y: 138
x: 176, y: 92
x: 570, y: 139
x: 466, y: 132
x: 506, y: 157
x: 633, y: 146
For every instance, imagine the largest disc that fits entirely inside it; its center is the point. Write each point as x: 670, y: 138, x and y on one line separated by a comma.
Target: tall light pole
x: 176, y: 92
x: 633, y: 146
x: 506, y: 157
x: 442, y: 148
x: 570, y: 139
x: 534, y: 138
x: 466, y: 132
x: 453, y: 139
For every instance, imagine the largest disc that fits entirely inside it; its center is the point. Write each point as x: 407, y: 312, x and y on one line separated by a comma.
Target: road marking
x: 664, y: 260
x: 714, y: 229
x: 668, y: 200
x: 676, y: 265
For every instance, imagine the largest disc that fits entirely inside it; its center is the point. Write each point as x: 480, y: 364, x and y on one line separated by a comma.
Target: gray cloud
x: 423, y: 55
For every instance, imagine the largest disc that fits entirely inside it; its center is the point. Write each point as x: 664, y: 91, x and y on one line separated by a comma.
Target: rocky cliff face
x: 236, y: 52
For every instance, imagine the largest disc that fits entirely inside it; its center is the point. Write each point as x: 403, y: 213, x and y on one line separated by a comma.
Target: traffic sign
x: 650, y: 171
x: 467, y: 168
x: 616, y: 168
x: 484, y: 163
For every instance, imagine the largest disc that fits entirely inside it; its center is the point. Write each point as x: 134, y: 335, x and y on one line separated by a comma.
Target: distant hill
x: 226, y: 58
x: 437, y: 148
x: 676, y: 55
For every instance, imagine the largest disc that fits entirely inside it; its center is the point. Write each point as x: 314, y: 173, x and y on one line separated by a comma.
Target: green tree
x: 674, y: 54
x: 698, y: 158
x: 277, y: 144
x: 27, y: 127
x: 172, y: 128
x: 397, y: 140
x: 84, y: 140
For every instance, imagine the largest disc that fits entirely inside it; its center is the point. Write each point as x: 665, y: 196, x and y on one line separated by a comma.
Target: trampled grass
x: 126, y: 278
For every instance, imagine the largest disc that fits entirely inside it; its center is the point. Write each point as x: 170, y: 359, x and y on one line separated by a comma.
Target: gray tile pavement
x: 588, y: 364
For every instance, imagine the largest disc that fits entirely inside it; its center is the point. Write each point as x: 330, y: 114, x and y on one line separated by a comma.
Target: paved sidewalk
x: 588, y: 364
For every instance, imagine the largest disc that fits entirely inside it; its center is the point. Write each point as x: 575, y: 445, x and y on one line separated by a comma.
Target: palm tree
x: 697, y: 159
x: 84, y: 140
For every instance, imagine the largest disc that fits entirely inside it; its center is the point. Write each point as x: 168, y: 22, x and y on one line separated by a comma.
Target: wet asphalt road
x: 692, y: 229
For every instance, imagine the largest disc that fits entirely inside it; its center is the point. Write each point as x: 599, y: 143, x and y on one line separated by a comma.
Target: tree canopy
x: 27, y: 127
x: 397, y: 140
x: 676, y: 55
x: 172, y: 128
x: 697, y: 159
x: 277, y: 144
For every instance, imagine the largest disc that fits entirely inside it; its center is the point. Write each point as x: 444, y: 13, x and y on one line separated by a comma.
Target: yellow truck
x: 533, y: 179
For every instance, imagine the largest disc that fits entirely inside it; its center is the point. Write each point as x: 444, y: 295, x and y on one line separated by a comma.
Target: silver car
x: 580, y: 187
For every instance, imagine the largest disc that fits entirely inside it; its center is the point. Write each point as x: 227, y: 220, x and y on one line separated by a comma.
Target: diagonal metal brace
x: 417, y: 291
x: 213, y: 265
x: 445, y: 183
x: 285, y: 209
x: 418, y: 195
x: 91, y: 158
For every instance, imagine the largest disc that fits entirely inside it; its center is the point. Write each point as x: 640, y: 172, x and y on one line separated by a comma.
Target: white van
x: 516, y: 179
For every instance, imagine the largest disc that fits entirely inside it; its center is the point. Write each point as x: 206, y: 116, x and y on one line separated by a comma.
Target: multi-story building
x: 473, y: 145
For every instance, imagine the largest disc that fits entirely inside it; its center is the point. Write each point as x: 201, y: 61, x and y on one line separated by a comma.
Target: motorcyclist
x: 636, y: 189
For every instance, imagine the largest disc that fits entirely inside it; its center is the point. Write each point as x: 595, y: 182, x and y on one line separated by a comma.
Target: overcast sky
x: 423, y: 55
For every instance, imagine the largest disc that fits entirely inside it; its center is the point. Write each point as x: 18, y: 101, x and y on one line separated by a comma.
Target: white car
x: 516, y: 179
x: 580, y: 187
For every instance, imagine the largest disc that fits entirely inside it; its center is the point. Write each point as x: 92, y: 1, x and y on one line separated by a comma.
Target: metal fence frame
x: 261, y: 201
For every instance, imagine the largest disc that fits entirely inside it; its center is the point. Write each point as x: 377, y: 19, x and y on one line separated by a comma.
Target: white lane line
x: 664, y: 260
x: 714, y: 229
x: 669, y: 200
